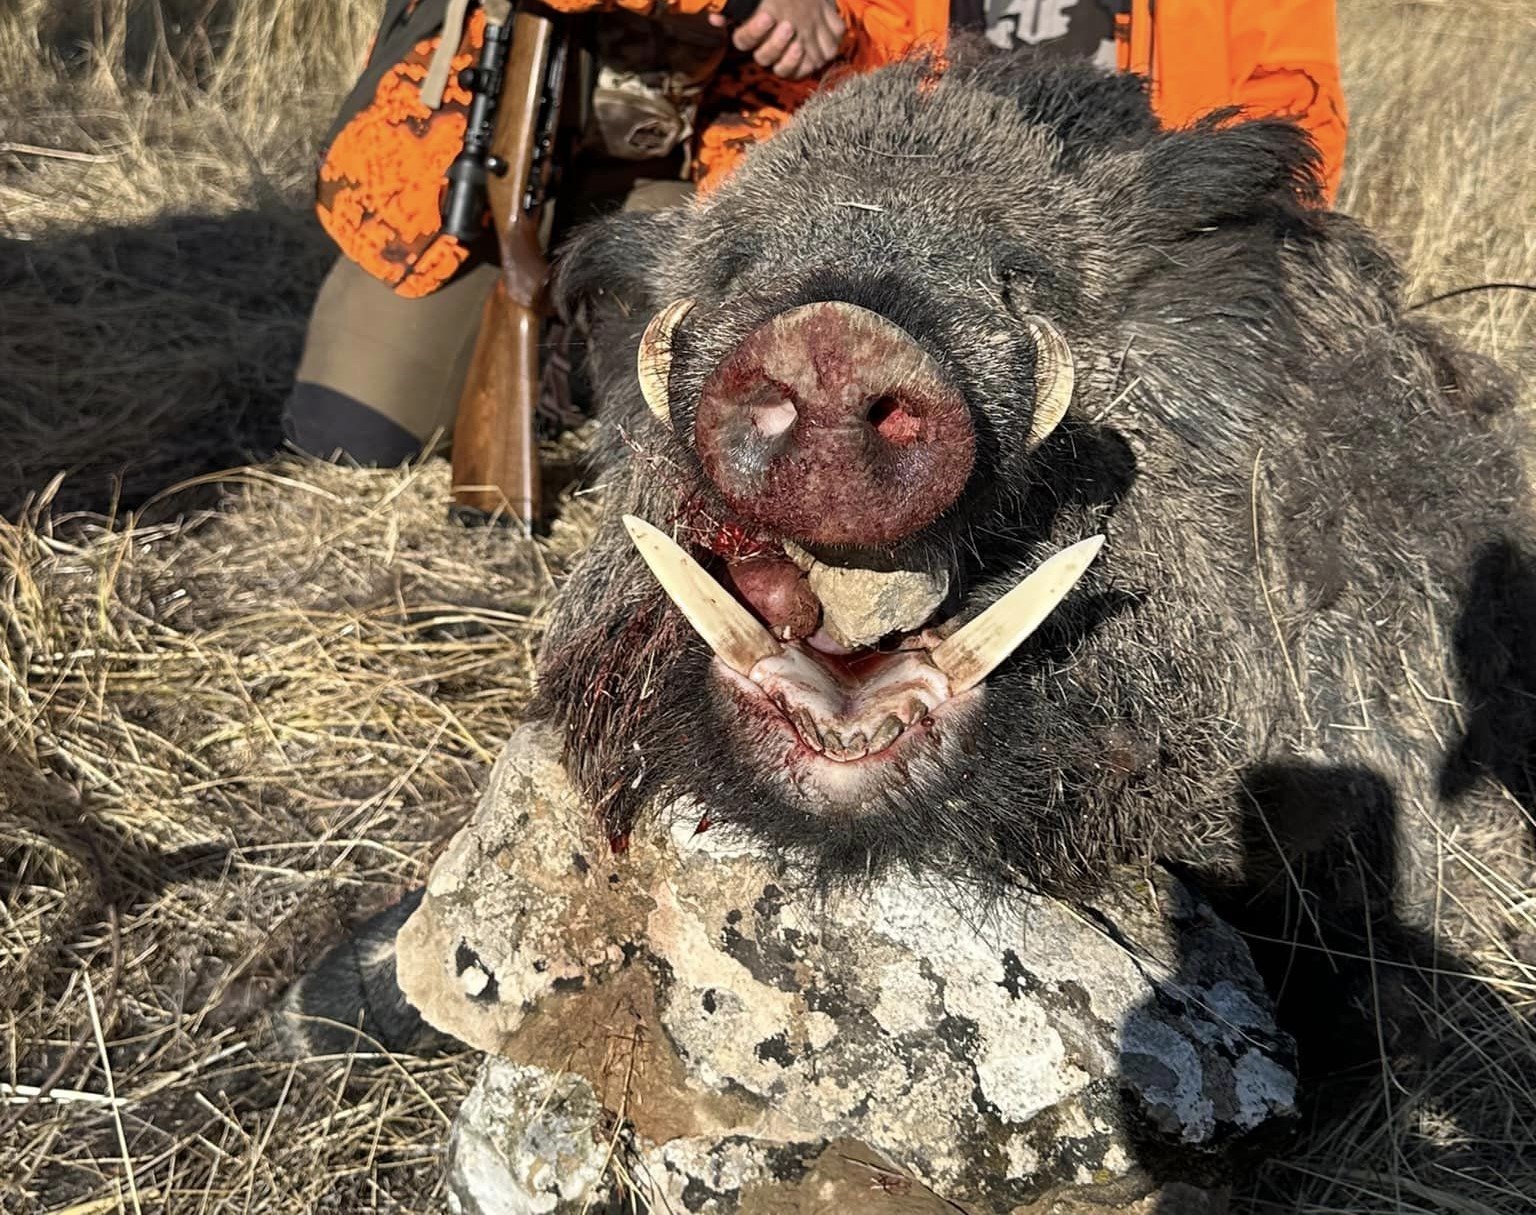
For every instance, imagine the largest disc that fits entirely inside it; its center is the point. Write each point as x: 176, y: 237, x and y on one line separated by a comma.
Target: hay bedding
x: 236, y: 722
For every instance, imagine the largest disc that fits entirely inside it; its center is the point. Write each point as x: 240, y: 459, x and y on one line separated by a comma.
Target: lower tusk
x: 979, y: 648
x: 731, y: 631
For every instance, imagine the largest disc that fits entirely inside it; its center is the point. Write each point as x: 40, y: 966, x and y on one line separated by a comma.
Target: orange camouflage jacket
x: 381, y: 180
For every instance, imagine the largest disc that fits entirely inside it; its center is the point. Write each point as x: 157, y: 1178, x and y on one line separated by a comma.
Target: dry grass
x: 227, y: 734
x: 1440, y: 162
x: 225, y: 738
x: 1440, y: 159
x: 160, y: 256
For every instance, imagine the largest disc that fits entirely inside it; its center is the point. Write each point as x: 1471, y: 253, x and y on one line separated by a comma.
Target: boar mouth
x: 851, y: 705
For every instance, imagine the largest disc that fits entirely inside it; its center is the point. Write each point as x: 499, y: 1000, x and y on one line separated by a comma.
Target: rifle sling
x: 436, y: 79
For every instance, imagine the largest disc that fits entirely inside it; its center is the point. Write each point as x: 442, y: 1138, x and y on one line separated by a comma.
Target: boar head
x: 851, y: 411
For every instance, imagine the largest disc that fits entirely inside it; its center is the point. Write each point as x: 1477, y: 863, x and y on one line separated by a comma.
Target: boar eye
x: 1029, y: 286
x: 729, y: 260
x: 1020, y: 290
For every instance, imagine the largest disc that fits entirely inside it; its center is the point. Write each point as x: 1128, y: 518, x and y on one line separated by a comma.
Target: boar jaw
x: 850, y: 705
x: 848, y: 709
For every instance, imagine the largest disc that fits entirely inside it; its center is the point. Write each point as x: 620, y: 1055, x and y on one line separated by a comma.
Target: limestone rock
x: 861, y: 606
x: 744, y: 1043
x: 525, y: 1140
x: 529, y: 1140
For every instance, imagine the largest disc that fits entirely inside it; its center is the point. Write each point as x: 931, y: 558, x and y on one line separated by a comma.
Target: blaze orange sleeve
x: 1271, y: 57
x: 1284, y: 60
x: 882, y: 31
x: 749, y: 103
x: 645, y: 8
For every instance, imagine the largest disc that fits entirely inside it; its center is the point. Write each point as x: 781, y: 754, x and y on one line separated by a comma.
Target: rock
x: 702, y: 1030
x: 530, y: 1140
x: 861, y: 606
x: 526, y: 1140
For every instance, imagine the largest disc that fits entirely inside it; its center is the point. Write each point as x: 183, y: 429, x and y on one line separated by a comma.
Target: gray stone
x: 860, y: 606
x: 720, y: 1039
x: 525, y: 1140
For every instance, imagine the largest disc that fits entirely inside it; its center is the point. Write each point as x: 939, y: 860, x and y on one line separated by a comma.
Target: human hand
x: 791, y: 38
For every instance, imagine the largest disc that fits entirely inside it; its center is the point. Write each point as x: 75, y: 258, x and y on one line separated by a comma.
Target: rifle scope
x: 464, y: 203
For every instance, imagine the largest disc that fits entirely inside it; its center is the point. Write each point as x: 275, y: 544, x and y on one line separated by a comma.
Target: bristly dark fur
x: 1303, y: 490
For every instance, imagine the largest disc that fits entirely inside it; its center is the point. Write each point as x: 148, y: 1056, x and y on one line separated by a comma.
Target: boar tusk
x: 974, y: 652
x: 653, y: 364
x: 1054, y: 377
x: 731, y: 631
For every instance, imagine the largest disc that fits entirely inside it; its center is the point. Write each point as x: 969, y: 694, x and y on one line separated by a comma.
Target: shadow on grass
x: 1407, y: 1053
x: 139, y: 357
x: 1410, y: 1052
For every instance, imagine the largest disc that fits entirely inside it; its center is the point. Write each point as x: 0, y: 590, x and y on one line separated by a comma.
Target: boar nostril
x: 773, y: 420
x: 893, y: 422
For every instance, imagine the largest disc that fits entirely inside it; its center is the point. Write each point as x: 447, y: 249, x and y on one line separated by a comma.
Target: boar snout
x: 833, y: 425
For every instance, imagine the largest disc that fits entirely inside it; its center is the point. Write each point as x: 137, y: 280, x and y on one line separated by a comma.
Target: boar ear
x: 614, y: 264
x: 1220, y: 171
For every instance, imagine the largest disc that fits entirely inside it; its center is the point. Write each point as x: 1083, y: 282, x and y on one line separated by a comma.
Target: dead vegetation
x: 1442, y: 123
x: 238, y: 719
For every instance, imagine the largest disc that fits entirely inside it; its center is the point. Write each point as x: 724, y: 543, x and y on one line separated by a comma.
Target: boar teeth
x: 974, y: 652
x: 805, y: 724
x: 731, y: 631
x: 654, y: 362
x: 890, y: 729
x: 1054, y: 378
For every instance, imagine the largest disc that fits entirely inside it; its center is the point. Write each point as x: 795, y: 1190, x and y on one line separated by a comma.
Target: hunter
x: 688, y: 86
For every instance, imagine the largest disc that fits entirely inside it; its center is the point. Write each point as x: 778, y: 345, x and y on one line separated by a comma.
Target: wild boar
x: 1000, y: 485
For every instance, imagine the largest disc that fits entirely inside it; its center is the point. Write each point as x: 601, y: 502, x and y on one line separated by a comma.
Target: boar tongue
x: 778, y: 592
x: 854, y: 608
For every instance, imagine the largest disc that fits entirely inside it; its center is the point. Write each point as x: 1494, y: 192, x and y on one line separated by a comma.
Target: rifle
x: 509, y: 144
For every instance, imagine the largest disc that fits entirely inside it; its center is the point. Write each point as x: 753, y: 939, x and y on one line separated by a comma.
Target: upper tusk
x: 974, y: 652
x: 1055, y: 374
x: 653, y: 364
x: 731, y: 631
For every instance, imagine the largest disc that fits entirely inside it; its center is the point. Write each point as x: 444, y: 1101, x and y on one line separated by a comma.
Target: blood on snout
x: 832, y: 425
x: 778, y: 592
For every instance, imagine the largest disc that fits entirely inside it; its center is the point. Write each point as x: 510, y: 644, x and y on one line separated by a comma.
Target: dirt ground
x: 239, y: 713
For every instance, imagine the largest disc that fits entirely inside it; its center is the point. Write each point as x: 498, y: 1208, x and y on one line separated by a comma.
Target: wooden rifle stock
x: 495, y: 452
